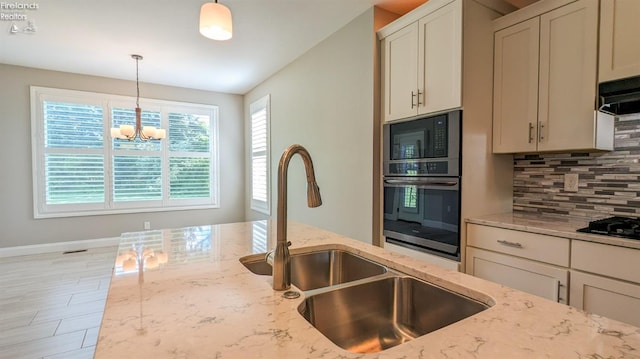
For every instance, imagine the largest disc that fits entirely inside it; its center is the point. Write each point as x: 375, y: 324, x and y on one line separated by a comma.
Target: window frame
x: 263, y: 103
x: 108, y: 102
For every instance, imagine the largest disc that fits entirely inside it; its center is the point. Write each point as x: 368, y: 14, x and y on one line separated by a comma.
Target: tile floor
x: 51, y: 304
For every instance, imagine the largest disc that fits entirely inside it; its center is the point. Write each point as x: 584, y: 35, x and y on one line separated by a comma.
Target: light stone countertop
x: 203, y: 303
x: 551, y: 225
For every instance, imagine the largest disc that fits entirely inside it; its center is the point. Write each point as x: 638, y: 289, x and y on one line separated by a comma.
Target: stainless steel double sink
x: 364, y: 307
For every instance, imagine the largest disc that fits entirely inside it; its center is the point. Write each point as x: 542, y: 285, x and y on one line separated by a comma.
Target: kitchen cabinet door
x: 619, y: 46
x: 400, y: 56
x: 608, y: 297
x: 568, y: 67
x: 515, y: 96
x: 536, y: 278
x: 440, y: 59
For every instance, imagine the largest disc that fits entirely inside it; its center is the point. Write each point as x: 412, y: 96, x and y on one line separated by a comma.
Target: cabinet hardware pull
x: 420, y: 93
x: 530, y: 132
x: 510, y: 244
x: 540, y: 136
x: 413, y: 95
x: 558, y: 285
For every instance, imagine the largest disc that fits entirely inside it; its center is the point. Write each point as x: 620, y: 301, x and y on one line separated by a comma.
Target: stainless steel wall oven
x: 422, y: 184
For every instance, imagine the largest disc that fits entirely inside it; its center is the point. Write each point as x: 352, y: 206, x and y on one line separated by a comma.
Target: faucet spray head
x: 313, y: 195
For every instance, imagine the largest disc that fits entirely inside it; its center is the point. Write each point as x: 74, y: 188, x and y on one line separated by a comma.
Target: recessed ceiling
x: 97, y: 37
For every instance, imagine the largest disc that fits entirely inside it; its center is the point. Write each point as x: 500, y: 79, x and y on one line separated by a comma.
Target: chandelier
x: 129, y: 132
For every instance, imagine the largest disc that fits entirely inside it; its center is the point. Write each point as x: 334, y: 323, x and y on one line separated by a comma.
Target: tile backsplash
x: 608, y: 182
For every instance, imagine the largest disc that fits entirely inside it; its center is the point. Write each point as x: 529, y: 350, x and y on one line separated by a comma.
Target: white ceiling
x: 97, y: 37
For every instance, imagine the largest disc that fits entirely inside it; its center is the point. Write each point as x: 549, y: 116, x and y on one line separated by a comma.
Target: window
x: 78, y: 169
x: 260, y: 184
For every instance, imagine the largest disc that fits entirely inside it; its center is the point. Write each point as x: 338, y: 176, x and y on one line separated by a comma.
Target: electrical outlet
x: 147, y: 225
x: 571, y: 182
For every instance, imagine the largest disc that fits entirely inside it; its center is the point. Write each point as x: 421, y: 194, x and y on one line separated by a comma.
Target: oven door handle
x: 434, y: 183
x: 420, y: 182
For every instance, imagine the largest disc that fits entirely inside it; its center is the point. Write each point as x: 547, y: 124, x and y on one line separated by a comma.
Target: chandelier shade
x: 215, y: 21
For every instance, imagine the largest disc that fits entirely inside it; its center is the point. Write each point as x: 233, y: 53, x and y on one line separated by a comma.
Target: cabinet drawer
x: 606, y: 260
x: 539, y: 247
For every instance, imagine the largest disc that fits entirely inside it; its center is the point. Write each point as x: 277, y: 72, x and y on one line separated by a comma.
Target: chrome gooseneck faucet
x: 281, y: 258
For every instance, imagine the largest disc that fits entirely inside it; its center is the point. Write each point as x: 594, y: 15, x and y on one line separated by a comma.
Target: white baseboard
x: 58, y: 247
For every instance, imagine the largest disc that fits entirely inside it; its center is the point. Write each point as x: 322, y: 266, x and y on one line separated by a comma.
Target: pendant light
x: 215, y: 21
x: 129, y: 132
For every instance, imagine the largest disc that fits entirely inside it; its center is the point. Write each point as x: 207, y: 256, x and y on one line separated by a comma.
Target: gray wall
x: 324, y: 101
x: 17, y: 225
x: 608, y: 185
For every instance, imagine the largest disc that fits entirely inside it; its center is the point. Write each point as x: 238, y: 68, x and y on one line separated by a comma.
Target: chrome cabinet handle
x: 530, y: 132
x: 413, y: 95
x: 510, y: 244
x: 419, y: 94
x: 540, y: 136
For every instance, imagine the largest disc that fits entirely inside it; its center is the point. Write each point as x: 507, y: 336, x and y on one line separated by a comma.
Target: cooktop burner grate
x: 615, y: 226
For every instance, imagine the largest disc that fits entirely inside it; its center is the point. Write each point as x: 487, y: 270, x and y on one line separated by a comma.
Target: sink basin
x: 320, y: 269
x: 380, y: 314
x: 330, y: 267
x: 257, y: 264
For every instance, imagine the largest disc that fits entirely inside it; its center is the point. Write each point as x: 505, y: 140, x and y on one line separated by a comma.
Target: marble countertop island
x: 194, y: 299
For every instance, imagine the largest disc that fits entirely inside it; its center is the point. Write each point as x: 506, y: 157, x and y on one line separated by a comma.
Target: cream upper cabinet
x: 545, y: 81
x: 619, y: 46
x: 440, y: 59
x: 515, y: 91
x: 422, y: 64
x: 401, y: 73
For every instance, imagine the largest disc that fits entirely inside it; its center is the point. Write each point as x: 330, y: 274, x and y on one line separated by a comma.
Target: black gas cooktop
x: 615, y: 226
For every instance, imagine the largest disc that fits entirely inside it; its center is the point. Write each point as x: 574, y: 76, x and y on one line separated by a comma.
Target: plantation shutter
x: 260, y: 155
x: 73, y: 153
x: 189, y: 159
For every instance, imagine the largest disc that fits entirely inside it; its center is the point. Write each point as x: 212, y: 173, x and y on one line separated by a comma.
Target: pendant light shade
x: 215, y: 21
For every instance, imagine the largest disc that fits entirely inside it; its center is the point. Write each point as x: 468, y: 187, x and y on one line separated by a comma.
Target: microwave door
x: 408, y: 145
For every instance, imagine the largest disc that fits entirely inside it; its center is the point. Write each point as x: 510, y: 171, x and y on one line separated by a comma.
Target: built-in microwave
x: 428, y: 146
x: 422, y: 184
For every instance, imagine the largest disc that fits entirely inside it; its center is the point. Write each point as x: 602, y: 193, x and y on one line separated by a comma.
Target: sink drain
x: 291, y: 294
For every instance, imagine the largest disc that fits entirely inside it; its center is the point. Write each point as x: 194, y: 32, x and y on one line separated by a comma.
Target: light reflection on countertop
x: 202, y: 303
